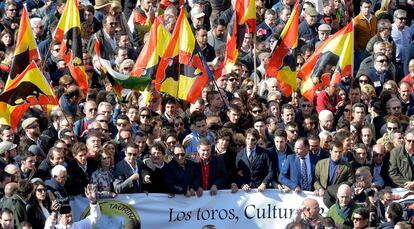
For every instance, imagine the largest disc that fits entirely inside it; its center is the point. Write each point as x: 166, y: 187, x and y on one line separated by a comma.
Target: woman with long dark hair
x: 39, y: 209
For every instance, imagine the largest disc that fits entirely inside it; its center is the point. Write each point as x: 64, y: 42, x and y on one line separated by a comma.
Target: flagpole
x: 254, y: 60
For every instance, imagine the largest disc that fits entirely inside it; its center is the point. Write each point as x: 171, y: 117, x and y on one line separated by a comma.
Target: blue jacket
x: 291, y: 176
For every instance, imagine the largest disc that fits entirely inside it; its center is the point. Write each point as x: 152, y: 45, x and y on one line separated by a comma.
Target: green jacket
x: 343, y: 174
x: 401, y: 167
x: 18, y: 207
x: 339, y: 221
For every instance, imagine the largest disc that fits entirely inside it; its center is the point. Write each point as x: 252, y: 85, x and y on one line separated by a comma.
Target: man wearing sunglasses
x: 402, y: 162
x: 127, y: 173
x: 401, y: 34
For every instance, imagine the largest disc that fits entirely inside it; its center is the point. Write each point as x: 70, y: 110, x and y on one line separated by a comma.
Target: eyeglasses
x: 392, y: 128
x: 299, y: 64
x: 132, y: 154
x: 16, y: 10
x: 346, y: 110
x: 231, y: 79
x: 363, y: 81
x: 410, y: 140
x: 293, y: 131
x: 93, y: 110
x: 121, y: 124
x: 102, y: 120
x: 145, y: 116
x: 383, y: 61
x: 257, y: 111
x: 179, y: 124
x: 40, y: 190
x: 402, y: 18
x: 179, y: 154
x: 306, y: 105
x: 358, y: 219
x: 112, y: 23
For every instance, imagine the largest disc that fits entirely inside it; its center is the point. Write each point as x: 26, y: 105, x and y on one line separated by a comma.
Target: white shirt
x: 86, y: 223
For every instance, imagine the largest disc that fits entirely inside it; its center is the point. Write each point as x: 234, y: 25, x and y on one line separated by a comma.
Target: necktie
x: 304, y: 173
x: 251, y: 156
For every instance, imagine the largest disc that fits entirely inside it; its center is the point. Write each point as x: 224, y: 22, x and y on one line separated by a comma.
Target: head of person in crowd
x: 392, y: 123
x: 394, y: 213
x: 8, y: 151
x: 247, y: 42
x: 284, y: 14
x: 397, y: 138
x: 363, y: 177
x: 132, y: 113
x: 201, y: 36
x: 234, y: 114
x: 14, y: 172
x: 141, y: 141
x: 179, y: 154
x: 7, y: 219
x: 324, y: 31
x: 90, y: 110
x: 272, y: 124
x: 400, y: 19
x: 358, y: 113
x: 382, y: 62
x: 31, y: 128
x: 219, y: 28
x: 404, y: 91
x: 170, y: 138
x: 310, y: 209
x: 385, y: 196
x: 28, y: 162
x: 204, y: 150
x: 199, y: 124
x: 394, y: 107
x: 347, y: 140
x: 110, y: 24
x: 255, y: 108
x: 311, y: 16
x: 10, y: 10
x: 157, y: 152
x: 252, y: 136
x: 292, y: 131
x: 384, y: 29
x: 6, y: 38
x: 360, y: 218
x: 367, y: 136
x: 179, y: 125
x: 288, y: 113
x: 409, y: 141
x: 326, y: 120
x: 199, y: 105
x: 365, y: 7
x: 306, y: 107
x: 344, y: 195
x: 391, y: 86
x: 56, y: 156
x: 79, y: 152
x: 224, y: 139
x: 326, y: 140
x: 93, y: 144
x: 280, y: 139
x: 197, y: 17
x: 25, y: 189
x: 6, y: 133
x: 336, y: 150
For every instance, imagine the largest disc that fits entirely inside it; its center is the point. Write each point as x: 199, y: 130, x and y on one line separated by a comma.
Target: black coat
x: 217, y: 173
x: 229, y: 159
x: 255, y: 173
x: 35, y: 216
x: 122, y: 172
x: 79, y: 179
x: 179, y: 180
x: 157, y: 179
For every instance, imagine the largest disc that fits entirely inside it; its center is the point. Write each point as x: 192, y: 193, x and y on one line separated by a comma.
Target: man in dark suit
x: 379, y: 166
x: 106, y: 37
x: 253, y: 164
x: 80, y: 169
x: 333, y: 170
x: 401, y: 163
x: 298, y: 171
x: 315, y: 147
x: 212, y: 169
x: 127, y: 173
x: 280, y: 152
x: 181, y: 175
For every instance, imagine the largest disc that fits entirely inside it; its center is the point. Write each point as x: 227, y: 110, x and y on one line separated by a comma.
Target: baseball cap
x: 6, y: 146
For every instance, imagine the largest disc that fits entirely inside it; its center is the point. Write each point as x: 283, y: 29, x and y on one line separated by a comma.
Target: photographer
x: 65, y: 214
x: 361, y: 189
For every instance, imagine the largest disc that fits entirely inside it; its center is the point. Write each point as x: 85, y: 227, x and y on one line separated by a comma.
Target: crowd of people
x: 350, y: 145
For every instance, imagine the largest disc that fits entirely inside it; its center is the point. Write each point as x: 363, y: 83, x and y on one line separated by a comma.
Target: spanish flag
x: 331, y: 61
x: 182, y: 70
x: 26, y: 49
x: 154, y: 48
x: 282, y: 63
x: 246, y: 13
x: 27, y: 89
x: 232, y: 51
x: 68, y: 32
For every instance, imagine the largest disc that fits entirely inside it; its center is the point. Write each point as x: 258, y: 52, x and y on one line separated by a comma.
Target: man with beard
x: 32, y: 136
x: 216, y: 37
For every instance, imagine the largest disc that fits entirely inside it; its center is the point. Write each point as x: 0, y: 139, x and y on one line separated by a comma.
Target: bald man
x: 308, y: 214
x: 326, y: 120
x: 341, y: 211
x: 14, y: 172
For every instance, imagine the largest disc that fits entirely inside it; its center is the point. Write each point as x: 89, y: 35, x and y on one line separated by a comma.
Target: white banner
x: 225, y: 210
x: 270, y: 209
